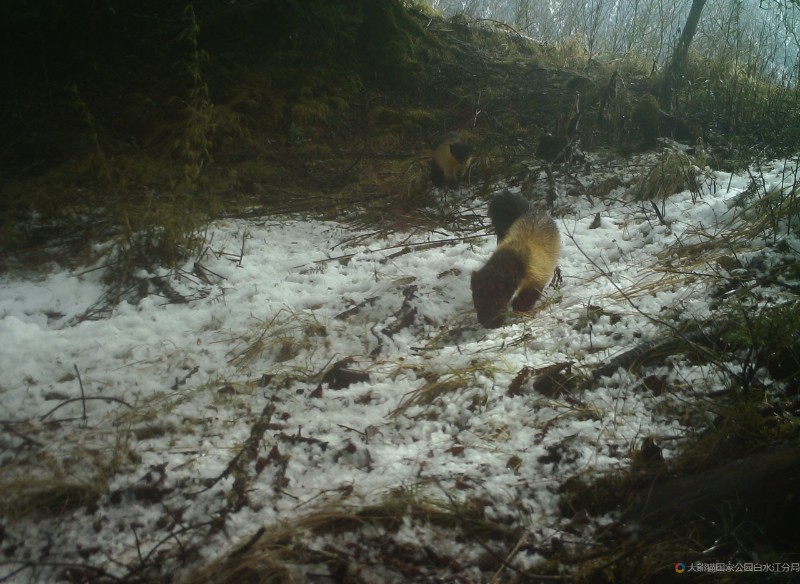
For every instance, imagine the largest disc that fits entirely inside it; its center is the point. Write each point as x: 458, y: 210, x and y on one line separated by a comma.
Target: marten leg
x: 437, y: 175
x: 525, y: 300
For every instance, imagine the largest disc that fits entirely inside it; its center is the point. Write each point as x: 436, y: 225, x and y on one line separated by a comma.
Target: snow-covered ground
x: 172, y: 390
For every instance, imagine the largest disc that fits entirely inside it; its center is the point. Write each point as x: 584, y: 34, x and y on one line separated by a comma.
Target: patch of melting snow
x: 176, y: 388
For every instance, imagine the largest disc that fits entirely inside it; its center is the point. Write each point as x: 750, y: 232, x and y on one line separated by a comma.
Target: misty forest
x: 389, y: 291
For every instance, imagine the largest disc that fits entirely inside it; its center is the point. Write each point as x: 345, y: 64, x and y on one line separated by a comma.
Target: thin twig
x: 7, y: 426
x: 83, y: 394
x: 241, y: 254
x: 138, y: 547
x: 146, y: 559
x: 74, y: 399
x: 509, y: 557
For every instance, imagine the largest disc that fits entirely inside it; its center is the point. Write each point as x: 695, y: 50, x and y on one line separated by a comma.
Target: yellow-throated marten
x: 451, y: 160
x: 506, y: 208
x: 518, y: 270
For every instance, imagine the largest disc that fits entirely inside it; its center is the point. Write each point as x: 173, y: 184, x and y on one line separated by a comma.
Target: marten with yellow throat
x: 519, y: 268
x: 450, y: 161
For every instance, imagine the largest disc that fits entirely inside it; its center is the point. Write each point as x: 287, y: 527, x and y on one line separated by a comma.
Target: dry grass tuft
x: 54, y: 478
x: 673, y: 173
x: 269, y: 554
x: 431, y: 391
x: 770, y: 212
x: 286, y: 335
x: 48, y: 497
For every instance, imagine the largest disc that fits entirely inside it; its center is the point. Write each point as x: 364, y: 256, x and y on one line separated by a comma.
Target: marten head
x: 490, y: 294
x: 451, y: 160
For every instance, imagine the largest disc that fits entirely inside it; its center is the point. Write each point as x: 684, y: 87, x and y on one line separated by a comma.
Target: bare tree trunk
x: 677, y: 63
x: 689, y: 30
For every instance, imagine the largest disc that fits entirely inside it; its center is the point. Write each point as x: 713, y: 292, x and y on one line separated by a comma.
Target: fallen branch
x: 245, y: 457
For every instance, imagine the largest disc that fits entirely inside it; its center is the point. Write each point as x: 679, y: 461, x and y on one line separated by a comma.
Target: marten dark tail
x: 451, y: 160
x: 519, y: 269
x: 504, y: 209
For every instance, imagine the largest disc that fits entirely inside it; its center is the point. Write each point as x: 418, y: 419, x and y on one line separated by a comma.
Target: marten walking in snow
x: 519, y: 269
x: 451, y: 160
x: 506, y: 208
